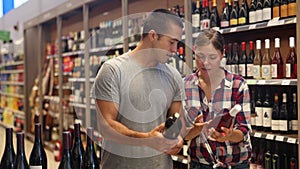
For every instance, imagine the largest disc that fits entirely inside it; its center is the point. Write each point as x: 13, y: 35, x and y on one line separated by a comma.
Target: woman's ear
x: 223, y: 62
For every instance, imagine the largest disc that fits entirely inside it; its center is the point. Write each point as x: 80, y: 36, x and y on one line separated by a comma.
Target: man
x: 135, y: 93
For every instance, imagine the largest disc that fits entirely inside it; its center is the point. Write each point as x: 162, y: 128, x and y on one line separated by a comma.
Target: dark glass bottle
x: 261, y: 153
x: 253, y: 114
x: 214, y: 16
x: 294, y: 115
x: 244, y: 14
x: 268, y: 156
x: 65, y: 162
x: 38, y: 156
x: 242, y: 61
x: 7, y: 161
x: 77, y: 150
x: 259, y: 11
x: 249, y: 62
x: 284, y: 120
x: 252, y: 12
x: 267, y: 10
x: 259, y: 111
x: 229, y: 57
x: 235, y: 59
x: 90, y: 160
x: 224, y: 23
x: 205, y: 17
x: 291, y: 61
x: 196, y: 17
x: 267, y: 112
x: 275, y: 114
x: 234, y: 15
x: 276, y: 157
x: 20, y: 160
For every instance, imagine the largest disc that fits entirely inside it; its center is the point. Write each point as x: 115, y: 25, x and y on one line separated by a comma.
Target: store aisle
x: 28, y: 147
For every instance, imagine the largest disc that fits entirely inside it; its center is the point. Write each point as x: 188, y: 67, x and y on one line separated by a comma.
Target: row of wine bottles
x: 270, y: 154
x: 72, y: 158
x: 275, y: 115
x: 262, y: 66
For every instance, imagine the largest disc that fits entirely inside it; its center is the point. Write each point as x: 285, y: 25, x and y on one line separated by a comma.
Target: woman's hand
x: 227, y: 134
x: 195, y: 130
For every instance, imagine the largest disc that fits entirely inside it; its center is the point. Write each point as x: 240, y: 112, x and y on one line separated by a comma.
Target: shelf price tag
x: 221, y: 31
x: 253, y: 26
x: 279, y: 138
x: 270, y: 136
x: 175, y: 158
x: 258, y: 135
x: 233, y: 29
x: 291, y: 140
x: 261, y: 82
x: 285, y: 82
x: 253, y: 82
x: 184, y: 161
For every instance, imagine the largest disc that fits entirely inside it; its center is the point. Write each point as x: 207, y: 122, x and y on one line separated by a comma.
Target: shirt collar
x: 227, y: 81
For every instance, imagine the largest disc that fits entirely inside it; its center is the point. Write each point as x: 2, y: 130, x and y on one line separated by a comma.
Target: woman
x: 211, y: 91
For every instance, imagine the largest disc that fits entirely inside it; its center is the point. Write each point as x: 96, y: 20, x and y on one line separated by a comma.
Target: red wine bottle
x: 294, y: 115
x: 235, y: 59
x: 90, y: 160
x: 77, y: 150
x: 234, y: 15
x: 226, y: 119
x: 224, y: 23
x: 242, y: 61
x: 259, y: 11
x: 291, y: 61
x: 7, y: 161
x: 267, y: 10
x: 252, y: 12
x: 65, y: 162
x: 20, y: 160
x: 244, y: 14
x: 173, y: 126
x: 284, y: 120
x: 196, y: 17
x: 277, y: 63
x: 259, y: 112
x: 253, y: 113
x: 275, y: 114
x: 268, y: 156
x: 214, y: 16
x: 229, y: 57
x: 275, y: 157
x: 249, y: 62
x: 38, y: 158
x: 267, y: 112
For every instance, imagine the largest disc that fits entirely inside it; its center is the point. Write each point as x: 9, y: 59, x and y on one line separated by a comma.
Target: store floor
x: 28, y: 147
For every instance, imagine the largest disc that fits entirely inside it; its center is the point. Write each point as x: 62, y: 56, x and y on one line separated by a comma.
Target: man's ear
x: 152, y: 35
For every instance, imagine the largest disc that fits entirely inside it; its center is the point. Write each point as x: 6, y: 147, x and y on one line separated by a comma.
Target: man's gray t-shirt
x: 144, y: 96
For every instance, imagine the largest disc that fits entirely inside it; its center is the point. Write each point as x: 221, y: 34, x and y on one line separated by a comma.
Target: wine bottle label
x: 185, y: 150
x: 267, y: 116
x: 283, y: 125
x: 259, y: 15
x: 249, y: 70
x: 292, y: 9
x: 242, y: 20
x: 256, y: 71
x: 294, y: 125
x: 267, y: 14
x: 283, y: 10
x: 274, y: 71
x: 233, y: 22
x: 266, y: 71
x: 288, y: 70
x: 228, y: 67
x: 205, y: 24
x: 252, y: 17
x: 275, y: 125
x: 224, y: 24
x: 36, y: 167
x: 259, y: 116
x: 253, y: 123
x: 276, y: 11
x: 242, y: 70
x: 196, y: 20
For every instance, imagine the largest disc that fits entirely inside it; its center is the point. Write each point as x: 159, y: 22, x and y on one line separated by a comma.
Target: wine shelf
x: 287, y: 138
x: 81, y: 105
x: 12, y: 83
x: 97, y: 135
x: 292, y: 82
x: 12, y: 63
x: 18, y: 113
x: 12, y: 95
x: 80, y: 79
x: 11, y: 71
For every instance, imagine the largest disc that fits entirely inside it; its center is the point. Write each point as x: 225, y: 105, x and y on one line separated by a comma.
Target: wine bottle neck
x: 9, y: 140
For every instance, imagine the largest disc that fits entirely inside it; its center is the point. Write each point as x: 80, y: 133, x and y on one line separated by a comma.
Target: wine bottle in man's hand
x: 173, y: 126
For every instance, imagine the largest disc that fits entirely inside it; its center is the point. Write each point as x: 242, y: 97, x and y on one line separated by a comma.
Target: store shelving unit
x: 77, y: 15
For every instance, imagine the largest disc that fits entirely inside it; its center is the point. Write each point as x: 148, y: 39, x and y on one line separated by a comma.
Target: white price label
x: 261, y: 82
x: 285, y: 82
x: 184, y: 161
x: 291, y: 140
x: 221, y: 31
x: 252, y: 26
x: 270, y: 136
x: 233, y: 29
x: 258, y: 135
x: 175, y: 158
x: 279, y: 138
x: 36, y: 167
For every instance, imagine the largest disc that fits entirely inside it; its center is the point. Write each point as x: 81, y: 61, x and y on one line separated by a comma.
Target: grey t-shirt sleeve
x: 106, y: 85
x: 179, y: 92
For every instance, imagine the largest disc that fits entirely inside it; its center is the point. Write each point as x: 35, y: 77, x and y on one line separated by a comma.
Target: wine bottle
x: 277, y: 64
x: 252, y: 12
x: 283, y: 153
x: 234, y: 15
x: 268, y: 156
x: 284, y: 9
x: 235, y: 59
x: 261, y: 153
x: 229, y: 57
x: 38, y: 158
x: 196, y: 17
x: 256, y: 69
x: 244, y: 13
x: 294, y: 115
x: 90, y: 160
x: 293, y: 162
x: 224, y: 120
x: 225, y: 16
x: 275, y: 114
x: 292, y: 8
x: 259, y: 112
x: 276, y: 157
x: 253, y: 114
x: 173, y: 126
x: 259, y: 11
x: 205, y: 17
x: 214, y: 16
x: 242, y: 61
x: 249, y: 62
x: 266, y: 61
x: 276, y: 9
x: 254, y: 143
x: 8, y: 157
x: 284, y: 121
x: 181, y: 60
x: 291, y: 61
x: 267, y: 10
x: 77, y: 150
x: 65, y: 162
x: 20, y: 160
x: 267, y: 112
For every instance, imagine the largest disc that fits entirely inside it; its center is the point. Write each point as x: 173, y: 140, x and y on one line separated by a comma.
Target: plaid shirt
x: 232, y: 90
